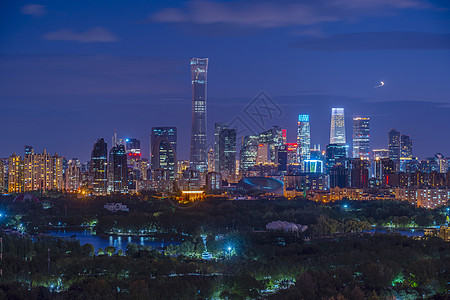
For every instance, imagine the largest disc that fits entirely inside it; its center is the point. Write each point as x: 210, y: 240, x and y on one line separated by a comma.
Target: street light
x: 229, y: 248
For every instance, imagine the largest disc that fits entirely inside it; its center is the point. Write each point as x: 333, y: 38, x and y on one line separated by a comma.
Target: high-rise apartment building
x: 99, y: 167
x: 394, y: 146
x: 303, y: 138
x: 225, y: 151
x: 15, y: 174
x: 199, y: 68
x: 2, y: 176
x: 337, y: 132
x: 361, y: 137
x: 73, y: 175
x: 42, y: 172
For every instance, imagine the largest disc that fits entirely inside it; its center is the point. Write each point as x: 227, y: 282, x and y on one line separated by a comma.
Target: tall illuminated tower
x: 303, y: 138
x: 337, y: 132
x: 199, y: 68
x: 394, y: 144
x: 361, y: 137
x: 99, y: 167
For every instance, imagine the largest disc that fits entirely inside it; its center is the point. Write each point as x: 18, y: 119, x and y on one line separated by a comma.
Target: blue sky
x: 73, y: 71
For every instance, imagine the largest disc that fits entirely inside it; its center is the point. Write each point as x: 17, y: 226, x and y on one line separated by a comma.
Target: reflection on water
x: 408, y: 233
x: 118, y: 242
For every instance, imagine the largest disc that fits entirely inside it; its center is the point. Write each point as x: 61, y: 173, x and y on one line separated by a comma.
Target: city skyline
x: 74, y: 67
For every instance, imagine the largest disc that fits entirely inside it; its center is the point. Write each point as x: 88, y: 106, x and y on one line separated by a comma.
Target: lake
x: 103, y: 241
x: 407, y: 232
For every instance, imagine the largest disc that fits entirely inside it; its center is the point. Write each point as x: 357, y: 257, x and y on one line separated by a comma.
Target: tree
x: 88, y: 249
x: 100, y: 251
x: 110, y: 250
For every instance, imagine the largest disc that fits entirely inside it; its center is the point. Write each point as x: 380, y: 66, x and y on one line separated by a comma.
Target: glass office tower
x: 199, y: 68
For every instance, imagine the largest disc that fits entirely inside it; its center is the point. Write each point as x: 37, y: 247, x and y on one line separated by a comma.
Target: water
x: 118, y: 242
x: 406, y: 232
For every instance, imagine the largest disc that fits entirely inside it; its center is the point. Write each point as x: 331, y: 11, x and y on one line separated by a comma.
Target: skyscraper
x: 225, y: 151
x: 303, y: 138
x: 337, y: 132
x: 73, y: 175
x: 335, y: 155
x: 164, y: 150
x: 249, y: 150
x: 394, y: 146
x: 98, y: 167
x: 164, y: 157
x: 406, y: 146
x: 361, y: 138
x: 199, y: 68
x: 133, y: 145
x: 405, y: 152
x: 118, y: 170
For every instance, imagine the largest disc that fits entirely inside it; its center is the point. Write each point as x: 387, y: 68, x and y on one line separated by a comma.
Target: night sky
x: 74, y: 71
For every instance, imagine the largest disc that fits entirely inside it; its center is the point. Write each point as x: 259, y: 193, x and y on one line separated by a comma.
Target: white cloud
x: 95, y: 34
x: 35, y: 10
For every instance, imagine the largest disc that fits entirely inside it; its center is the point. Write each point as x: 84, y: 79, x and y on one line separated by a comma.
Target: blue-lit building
x: 361, y: 138
x: 313, y: 166
x: 303, y: 138
x: 260, y: 185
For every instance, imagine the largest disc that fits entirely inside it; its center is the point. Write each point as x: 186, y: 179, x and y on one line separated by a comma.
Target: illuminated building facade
x: 303, y: 138
x: 249, y: 150
x: 211, y: 160
x: 380, y: 153
x: 262, y: 156
x: 335, y: 154
x: 73, y: 175
x: 337, y: 132
x: 361, y: 137
x: 132, y: 145
x: 42, y: 172
x: 225, y: 151
x: 164, y: 156
x: 164, y: 150
x: 213, y: 181
x: 394, y: 145
x: 169, y: 133
x: 98, y: 167
x: 2, y: 176
x: 313, y: 166
x: 199, y: 69
x: 118, y: 170
x: 15, y: 174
